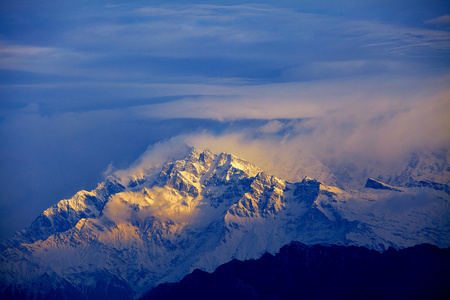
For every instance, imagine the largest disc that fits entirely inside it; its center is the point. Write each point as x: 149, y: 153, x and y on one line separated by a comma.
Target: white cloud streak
x: 43, y: 60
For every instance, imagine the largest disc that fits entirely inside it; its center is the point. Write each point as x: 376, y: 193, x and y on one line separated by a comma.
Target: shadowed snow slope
x: 145, y: 226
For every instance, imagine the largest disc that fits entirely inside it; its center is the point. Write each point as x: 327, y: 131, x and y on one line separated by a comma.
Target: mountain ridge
x: 299, y: 271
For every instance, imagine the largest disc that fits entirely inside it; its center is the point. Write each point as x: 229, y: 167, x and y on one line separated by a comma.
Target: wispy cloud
x: 221, y: 13
x: 12, y: 50
x: 184, y: 41
x: 445, y: 19
x: 394, y: 39
x: 46, y: 60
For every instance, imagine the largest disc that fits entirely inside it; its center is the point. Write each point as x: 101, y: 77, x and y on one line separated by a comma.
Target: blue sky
x: 86, y: 84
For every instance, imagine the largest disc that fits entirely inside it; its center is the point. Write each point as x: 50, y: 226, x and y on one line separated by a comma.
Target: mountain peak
x: 170, y: 214
x: 378, y: 185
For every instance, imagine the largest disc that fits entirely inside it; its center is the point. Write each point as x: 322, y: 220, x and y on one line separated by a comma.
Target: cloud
x: 178, y: 31
x: 346, y: 68
x: 445, y: 19
x: 220, y: 13
x: 370, y: 118
x: 154, y: 157
x: 37, y: 59
x: 390, y: 39
x: 372, y: 132
x: 117, y: 210
x: 287, y: 159
x: 362, y: 128
x: 229, y: 109
x: 173, y: 43
x: 11, y: 50
x: 383, y: 128
x: 399, y: 203
x: 272, y: 127
x: 164, y: 203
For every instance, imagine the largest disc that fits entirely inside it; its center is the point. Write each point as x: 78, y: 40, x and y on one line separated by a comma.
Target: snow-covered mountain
x: 145, y: 226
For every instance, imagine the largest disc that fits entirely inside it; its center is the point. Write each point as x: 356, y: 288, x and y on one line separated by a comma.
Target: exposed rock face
x: 377, y: 185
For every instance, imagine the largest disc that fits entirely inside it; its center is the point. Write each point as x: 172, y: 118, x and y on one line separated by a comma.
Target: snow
x: 331, y: 189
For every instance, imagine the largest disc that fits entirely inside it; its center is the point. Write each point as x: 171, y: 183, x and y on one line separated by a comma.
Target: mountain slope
x: 157, y: 223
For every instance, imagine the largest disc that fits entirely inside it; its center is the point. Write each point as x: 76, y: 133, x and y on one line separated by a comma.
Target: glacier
x: 198, y: 210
